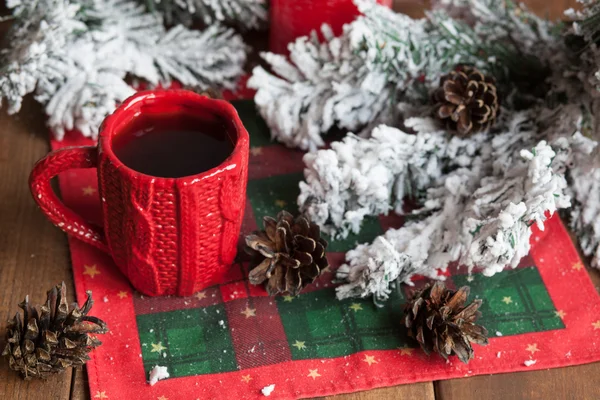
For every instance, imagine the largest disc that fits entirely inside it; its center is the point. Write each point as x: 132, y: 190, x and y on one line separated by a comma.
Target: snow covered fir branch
x: 322, y: 85
x: 478, y: 195
x: 361, y: 177
x: 354, y: 81
x: 75, y: 57
x: 479, y: 214
x: 247, y: 14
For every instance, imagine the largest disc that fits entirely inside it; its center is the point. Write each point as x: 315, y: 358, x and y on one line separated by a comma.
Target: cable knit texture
x: 168, y: 236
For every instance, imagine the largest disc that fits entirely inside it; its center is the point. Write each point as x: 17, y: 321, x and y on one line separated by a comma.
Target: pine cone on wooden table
x: 50, y: 340
x: 439, y: 320
x: 467, y: 101
x: 288, y: 254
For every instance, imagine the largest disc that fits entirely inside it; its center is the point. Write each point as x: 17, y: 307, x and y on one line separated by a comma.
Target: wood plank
x: 80, y: 389
x: 580, y: 382
x: 24, y: 232
x: 33, y: 254
x: 421, y: 391
x: 412, y: 8
x: 552, y: 9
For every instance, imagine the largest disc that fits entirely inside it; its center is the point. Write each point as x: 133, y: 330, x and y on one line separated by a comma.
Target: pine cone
x: 467, y: 101
x: 52, y: 339
x: 437, y: 318
x: 289, y: 254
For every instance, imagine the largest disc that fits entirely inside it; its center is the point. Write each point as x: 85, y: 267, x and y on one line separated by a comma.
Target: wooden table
x: 34, y: 256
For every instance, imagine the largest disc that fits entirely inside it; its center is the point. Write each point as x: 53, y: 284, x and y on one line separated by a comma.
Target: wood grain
x: 412, y: 8
x: 80, y: 389
x: 34, y: 256
x: 416, y: 391
x: 577, y: 383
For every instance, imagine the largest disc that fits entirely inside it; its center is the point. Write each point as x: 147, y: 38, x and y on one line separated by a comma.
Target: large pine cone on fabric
x: 467, y: 101
x: 439, y: 320
x: 52, y: 339
x: 288, y: 254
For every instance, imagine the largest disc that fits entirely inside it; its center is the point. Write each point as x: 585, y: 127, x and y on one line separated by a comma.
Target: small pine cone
x: 288, y: 254
x: 49, y: 340
x: 467, y: 101
x: 437, y: 318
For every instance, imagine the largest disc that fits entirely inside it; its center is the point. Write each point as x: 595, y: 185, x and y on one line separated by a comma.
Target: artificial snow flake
x: 75, y: 55
x: 158, y: 373
x: 267, y: 390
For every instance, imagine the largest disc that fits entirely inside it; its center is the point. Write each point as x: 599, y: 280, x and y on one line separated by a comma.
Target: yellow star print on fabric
x: 157, y: 347
x: 246, y: 378
x: 532, y: 348
x: 313, y: 373
x: 91, y: 270
x: 122, y: 294
x: 201, y: 295
x: 249, y: 312
x: 406, y: 351
x: 596, y: 324
x: 355, y: 307
x: 300, y: 345
x: 88, y: 191
x: 100, y: 395
x: 280, y: 203
x: 507, y: 300
x: 370, y: 360
x: 288, y: 299
x: 578, y: 266
x: 560, y: 314
x: 256, y: 151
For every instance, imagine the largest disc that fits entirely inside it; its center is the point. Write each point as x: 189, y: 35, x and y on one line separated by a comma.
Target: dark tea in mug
x: 175, y: 145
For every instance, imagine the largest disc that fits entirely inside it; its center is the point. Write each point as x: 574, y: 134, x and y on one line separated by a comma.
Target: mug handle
x: 60, y: 215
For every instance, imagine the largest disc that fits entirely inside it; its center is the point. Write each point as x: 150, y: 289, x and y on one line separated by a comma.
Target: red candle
x: 294, y: 18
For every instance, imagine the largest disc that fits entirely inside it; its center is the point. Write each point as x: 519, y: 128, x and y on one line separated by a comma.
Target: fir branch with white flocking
x: 247, y: 14
x: 75, y: 55
x: 480, y: 196
x: 460, y: 222
x: 353, y: 81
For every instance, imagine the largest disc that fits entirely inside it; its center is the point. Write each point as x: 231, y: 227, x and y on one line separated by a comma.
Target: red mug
x: 169, y: 236
x: 290, y: 19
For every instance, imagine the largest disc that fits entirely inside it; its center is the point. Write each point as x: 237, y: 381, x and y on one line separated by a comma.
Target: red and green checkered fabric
x: 229, y: 341
x: 213, y: 334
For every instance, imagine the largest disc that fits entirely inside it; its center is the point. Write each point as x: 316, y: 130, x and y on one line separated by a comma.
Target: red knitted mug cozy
x: 167, y: 235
